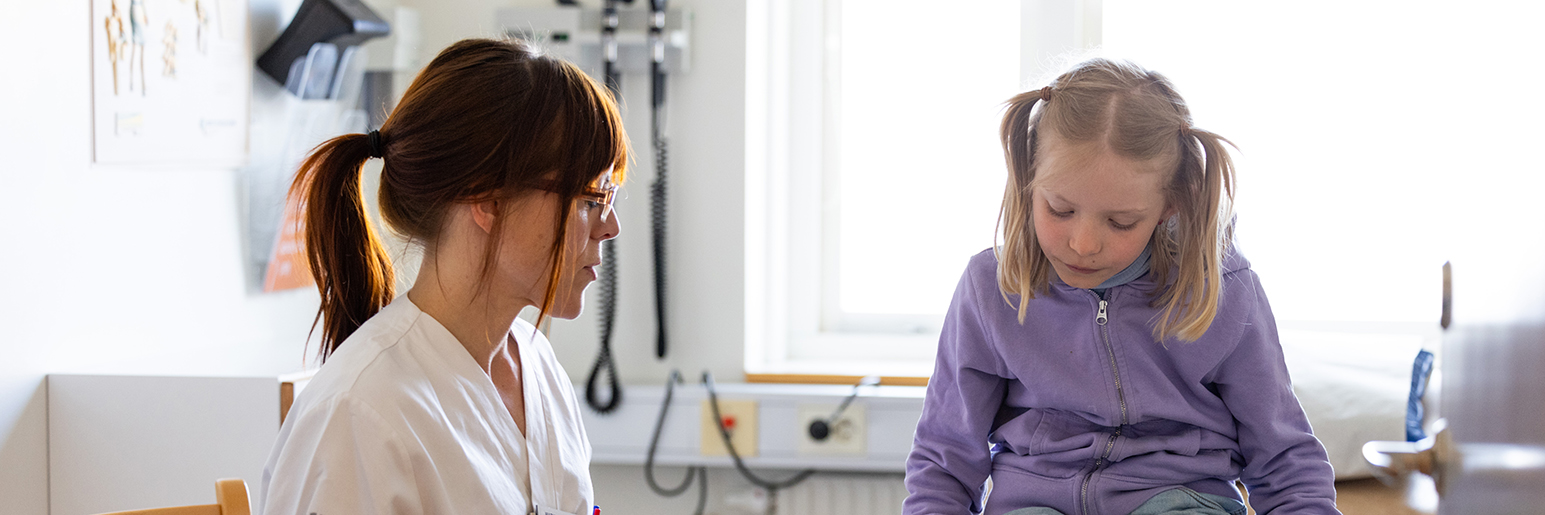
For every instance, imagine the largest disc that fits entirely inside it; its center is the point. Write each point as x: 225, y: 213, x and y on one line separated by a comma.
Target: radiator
x: 856, y: 494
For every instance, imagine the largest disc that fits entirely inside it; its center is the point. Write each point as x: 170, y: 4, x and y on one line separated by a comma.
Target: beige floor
x: 1368, y: 497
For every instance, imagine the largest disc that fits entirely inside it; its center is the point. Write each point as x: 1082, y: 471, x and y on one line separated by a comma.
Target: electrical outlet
x: 847, y: 435
x: 739, y: 420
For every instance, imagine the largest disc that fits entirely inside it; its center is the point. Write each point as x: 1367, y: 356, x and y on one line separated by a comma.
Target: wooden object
x: 832, y: 379
x: 290, y: 386
x: 230, y: 499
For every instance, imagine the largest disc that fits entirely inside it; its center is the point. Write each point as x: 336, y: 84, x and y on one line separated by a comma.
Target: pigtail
x: 1220, y: 177
x: 1200, y: 237
x: 351, y: 267
x: 1021, y: 267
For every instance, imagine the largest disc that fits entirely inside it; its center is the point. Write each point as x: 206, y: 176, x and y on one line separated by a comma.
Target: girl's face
x: 525, y: 255
x: 1094, y: 211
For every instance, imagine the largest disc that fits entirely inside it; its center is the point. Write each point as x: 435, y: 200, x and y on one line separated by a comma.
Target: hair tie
x: 1186, y: 131
x: 375, y: 143
x: 1046, y: 94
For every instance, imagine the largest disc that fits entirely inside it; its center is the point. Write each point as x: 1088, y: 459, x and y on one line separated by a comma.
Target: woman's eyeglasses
x: 599, y: 194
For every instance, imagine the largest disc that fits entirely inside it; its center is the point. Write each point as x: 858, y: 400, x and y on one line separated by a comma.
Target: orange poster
x: 287, y: 266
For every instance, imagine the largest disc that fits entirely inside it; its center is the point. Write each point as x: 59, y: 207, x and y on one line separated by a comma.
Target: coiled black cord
x: 657, y: 191
x: 654, y: 444
x: 608, y: 278
x: 657, y: 198
x: 607, y: 286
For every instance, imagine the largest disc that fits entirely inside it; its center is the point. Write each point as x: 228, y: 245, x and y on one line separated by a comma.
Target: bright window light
x: 920, y: 172
x: 1341, y: 173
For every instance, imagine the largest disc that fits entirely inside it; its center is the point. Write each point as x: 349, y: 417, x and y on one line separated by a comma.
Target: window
x: 1349, y: 134
x: 883, y: 175
x: 914, y: 163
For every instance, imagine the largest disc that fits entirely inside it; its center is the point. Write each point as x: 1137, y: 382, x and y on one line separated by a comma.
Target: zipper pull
x: 1100, y: 317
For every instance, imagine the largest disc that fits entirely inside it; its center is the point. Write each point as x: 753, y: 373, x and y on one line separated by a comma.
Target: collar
x: 1133, y: 271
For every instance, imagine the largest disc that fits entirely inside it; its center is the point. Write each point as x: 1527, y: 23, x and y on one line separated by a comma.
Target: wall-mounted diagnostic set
x: 609, y: 42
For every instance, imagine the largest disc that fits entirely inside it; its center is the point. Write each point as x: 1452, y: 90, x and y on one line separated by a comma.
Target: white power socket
x: 847, y: 435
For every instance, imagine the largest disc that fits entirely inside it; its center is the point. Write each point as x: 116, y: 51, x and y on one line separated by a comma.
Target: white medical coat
x: 401, y: 420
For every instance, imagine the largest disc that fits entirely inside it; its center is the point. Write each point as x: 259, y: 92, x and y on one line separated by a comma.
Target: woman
x: 501, y: 164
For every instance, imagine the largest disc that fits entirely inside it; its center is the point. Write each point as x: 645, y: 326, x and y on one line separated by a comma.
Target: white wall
x: 110, y: 270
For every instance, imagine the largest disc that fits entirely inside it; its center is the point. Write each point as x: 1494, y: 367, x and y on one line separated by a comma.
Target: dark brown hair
x: 486, y: 120
x: 1137, y: 114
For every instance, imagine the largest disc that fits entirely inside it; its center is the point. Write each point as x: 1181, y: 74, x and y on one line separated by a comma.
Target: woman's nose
x: 609, y: 227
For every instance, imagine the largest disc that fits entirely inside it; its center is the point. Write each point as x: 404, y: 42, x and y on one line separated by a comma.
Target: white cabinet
x: 131, y: 442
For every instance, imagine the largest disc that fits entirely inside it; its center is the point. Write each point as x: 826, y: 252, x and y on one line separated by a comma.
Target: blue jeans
x: 1178, y: 501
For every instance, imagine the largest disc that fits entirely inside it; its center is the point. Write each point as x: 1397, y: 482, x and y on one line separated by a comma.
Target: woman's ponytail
x: 352, y: 270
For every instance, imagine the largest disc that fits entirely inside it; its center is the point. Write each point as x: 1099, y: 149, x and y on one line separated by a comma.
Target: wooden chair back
x: 230, y: 499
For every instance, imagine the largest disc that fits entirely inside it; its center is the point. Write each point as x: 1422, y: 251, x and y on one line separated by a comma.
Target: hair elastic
x: 1046, y: 94
x: 375, y: 143
x: 1186, y: 131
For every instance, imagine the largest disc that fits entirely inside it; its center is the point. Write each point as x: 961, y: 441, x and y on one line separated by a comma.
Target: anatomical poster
x: 171, y: 82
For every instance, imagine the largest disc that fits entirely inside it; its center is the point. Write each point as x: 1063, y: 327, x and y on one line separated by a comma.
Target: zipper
x: 1110, y: 351
x: 1110, y: 443
x: 1101, y: 317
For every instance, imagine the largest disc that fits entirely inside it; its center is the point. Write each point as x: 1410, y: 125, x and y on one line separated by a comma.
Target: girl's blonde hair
x: 1136, y: 114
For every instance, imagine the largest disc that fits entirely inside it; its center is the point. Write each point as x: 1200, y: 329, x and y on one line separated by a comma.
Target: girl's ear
x: 484, y: 214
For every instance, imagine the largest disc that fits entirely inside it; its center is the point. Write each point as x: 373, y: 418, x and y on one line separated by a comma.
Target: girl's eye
x: 591, y: 205
x: 1059, y: 214
x: 1118, y: 226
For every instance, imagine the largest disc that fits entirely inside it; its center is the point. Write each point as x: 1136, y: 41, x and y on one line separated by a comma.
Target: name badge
x: 543, y: 510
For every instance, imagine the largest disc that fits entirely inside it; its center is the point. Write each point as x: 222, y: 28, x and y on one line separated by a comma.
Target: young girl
x: 501, y: 163
x: 1118, y: 355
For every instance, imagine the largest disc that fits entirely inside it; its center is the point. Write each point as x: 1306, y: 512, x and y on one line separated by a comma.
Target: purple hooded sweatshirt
x: 1087, y: 414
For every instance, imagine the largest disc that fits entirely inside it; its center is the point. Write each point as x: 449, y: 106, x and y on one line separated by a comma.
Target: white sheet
x: 1353, y: 388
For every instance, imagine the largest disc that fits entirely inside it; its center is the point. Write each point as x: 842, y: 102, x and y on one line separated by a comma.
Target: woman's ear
x: 484, y: 214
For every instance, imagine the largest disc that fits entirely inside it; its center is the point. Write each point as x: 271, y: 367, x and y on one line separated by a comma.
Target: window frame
x: 793, y: 321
